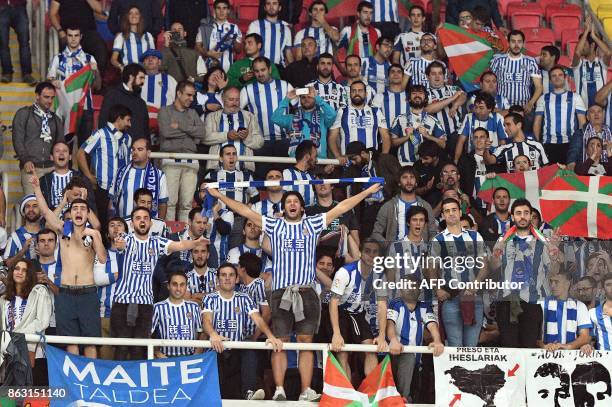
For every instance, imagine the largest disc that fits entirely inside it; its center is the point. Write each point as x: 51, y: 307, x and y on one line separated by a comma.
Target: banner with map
x: 569, y: 378
x: 480, y: 377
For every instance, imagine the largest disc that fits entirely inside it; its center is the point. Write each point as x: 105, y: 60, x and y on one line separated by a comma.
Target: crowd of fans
x: 96, y: 255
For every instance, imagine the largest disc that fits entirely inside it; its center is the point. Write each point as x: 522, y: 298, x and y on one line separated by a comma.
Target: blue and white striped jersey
x: 324, y: 42
x: 563, y: 320
x: 450, y: 124
x: 293, y: 249
x: 58, y: 184
x: 349, y: 284
x: 256, y: 290
x: 534, y: 150
x: 202, y: 283
x: 234, y: 121
x: 230, y: 316
x: 176, y: 322
x: 131, y: 179
x: 603, y: 327
x: 407, y: 152
x: 262, y: 99
x: 332, y: 92
x: 559, y: 111
x: 132, y: 49
x: 409, y: 324
x: 589, y: 78
x: 106, y: 294
x: 409, y: 46
x: 392, y: 104
x: 359, y: 125
x: 385, y: 11
x: 109, y: 149
x: 410, y: 268
x: 276, y: 39
x: 494, y: 124
x: 135, y: 285
x: 159, y: 90
x: 365, y: 41
x: 415, y: 69
x: 514, y: 76
x: 222, y: 39
x: 307, y: 191
x: 237, y: 194
x: 16, y: 242
x: 446, y: 245
x: 218, y: 241
x: 267, y: 207
x: 402, y: 209
x: 375, y: 73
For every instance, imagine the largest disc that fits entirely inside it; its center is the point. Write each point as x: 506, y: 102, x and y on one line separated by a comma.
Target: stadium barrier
x: 255, y: 159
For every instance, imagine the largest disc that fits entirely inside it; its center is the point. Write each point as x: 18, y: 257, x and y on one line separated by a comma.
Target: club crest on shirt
x: 237, y: 310
x: 189, y: 315
x: 150, y: 251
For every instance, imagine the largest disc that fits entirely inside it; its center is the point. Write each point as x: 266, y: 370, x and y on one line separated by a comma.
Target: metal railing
x: 255, y: 159
x: 43, y: 43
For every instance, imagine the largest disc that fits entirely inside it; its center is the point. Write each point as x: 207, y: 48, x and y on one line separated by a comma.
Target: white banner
x: 480, y: 377
x: 569, y: 378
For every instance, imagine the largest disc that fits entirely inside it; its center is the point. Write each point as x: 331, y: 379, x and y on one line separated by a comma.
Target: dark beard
x: 415, y: 105
x: 136, y: 89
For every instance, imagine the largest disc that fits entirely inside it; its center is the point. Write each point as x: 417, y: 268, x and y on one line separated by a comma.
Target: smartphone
x: 301, y: 91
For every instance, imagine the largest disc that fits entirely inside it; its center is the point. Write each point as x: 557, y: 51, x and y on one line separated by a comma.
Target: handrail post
x: 150, y: 352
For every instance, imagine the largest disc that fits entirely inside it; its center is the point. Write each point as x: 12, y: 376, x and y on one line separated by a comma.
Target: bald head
x: 231, y: 100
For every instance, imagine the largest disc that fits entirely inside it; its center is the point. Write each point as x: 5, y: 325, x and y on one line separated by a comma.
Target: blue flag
x: 183, y: 381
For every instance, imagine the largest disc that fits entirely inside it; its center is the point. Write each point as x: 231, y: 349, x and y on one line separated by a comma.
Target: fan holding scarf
x: 310, y: 121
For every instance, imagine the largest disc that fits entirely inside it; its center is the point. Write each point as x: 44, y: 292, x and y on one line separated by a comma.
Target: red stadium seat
x: 539, y: 35
x: 571, y: 35
x: 562, y: 9
x: 503, y: 6
x: 521, y: 21
x: 547, y: 3
x: 562, y: 22
x: 524, y: 8
x: 534, y: 47
x: 248, y: 12
x: 571, y: 47
x: 175, y: 226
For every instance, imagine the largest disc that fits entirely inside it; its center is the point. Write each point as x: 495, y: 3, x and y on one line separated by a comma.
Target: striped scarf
x: 357, y: 36
x: 283, y: 183
x: 553, y: 320
x: 314, y: 125
x: 151, y: 183
x: 511, y: 234
x: 45, y: 129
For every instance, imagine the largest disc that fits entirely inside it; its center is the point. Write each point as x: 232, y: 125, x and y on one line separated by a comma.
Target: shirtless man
x: 77, y: 308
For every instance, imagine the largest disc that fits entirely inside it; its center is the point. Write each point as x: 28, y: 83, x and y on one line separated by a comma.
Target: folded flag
x: 511, y: 233
x: 377, y: 389
x: 341, y: 8
x: 72, y: 96
x: 265, y: 184
x: 579, y: 206
x: 521, y: 184
x: 468, y: 54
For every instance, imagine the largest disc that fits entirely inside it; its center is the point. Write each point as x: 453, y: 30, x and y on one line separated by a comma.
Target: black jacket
x: 150, y: 12
x: 140, y: 114
x: 301, y: 72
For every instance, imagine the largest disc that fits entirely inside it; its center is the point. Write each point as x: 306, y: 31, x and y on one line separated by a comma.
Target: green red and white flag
x: 72, y: 96
x: 468, y: 54
x: 376, y: 390
x: 579, y: 206
x: 403, y: 7
x: 380, y: 386
x: 521, y: 184
x: 341, y: 8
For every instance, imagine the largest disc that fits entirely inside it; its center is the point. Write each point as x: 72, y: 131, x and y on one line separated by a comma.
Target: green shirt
x: 239, y: 68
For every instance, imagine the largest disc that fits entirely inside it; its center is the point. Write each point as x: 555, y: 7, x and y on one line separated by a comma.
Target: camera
x: 177, y: 39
